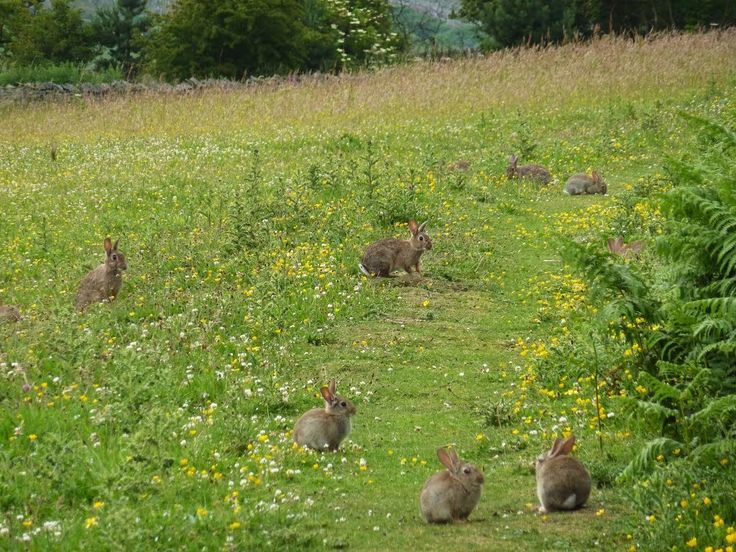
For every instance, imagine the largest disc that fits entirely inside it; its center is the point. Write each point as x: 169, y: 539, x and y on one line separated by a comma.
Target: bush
x: 34, y: 34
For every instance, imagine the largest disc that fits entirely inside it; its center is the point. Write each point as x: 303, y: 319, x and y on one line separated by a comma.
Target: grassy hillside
x: 164, y: 420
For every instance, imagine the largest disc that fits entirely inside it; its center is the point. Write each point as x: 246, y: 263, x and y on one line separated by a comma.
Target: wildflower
x: 683, y: 503
x: 98, y: 504
x: 90, y: 521
x: 32, y: 437
x: 234, y: 525
x: 202, y: 512
x: 600, y: 512
x: 706, y: 501
x: 692, y: 543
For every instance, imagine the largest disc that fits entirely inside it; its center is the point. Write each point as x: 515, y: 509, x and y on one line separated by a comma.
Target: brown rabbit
x: 321, y: 429
x: 581, y: 184
x: 9, y: 313
x: 103, y: 282
x: 563, y: 483
x: 538, y: 173
x: 618, y: 247
x: 451, y: 495
x: 383, y: 257
x: 459, y: 165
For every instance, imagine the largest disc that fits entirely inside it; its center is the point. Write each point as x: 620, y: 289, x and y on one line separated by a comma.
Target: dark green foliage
x: 514, y: 22
x: 119, y: 31
x: 685, y: 319
x: 700, y: 243
x: 31, y: 32
x: 227, y: 38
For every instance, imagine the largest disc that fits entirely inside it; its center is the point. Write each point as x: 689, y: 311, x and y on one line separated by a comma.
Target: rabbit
x: 618, y: 247
x: 103, y: 282
x: 320, y: 429
x: 9, y: 313
x: 581, y: 183
x: 451, y: 495
x: 563, y: 483
x: 383, y: 257
x: 460, y: 165
x: 538, y: 173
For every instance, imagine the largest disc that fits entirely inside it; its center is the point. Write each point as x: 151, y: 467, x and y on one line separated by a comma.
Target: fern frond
x: 653, y: 410
x: 660, y: 389
x: 647, y: 457
x: 718, y: 132
x: 698, y: 385
x: 714, y: 451
x: 723, y: 307
x: 727, y: 348
x: 713, y: 328
x: 718, y: 411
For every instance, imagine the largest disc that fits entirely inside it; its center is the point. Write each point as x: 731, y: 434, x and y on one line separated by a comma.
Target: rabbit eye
x: 114, y: 257
x: 343, y: 403
x: 466, y: 470
x: 421, y: 238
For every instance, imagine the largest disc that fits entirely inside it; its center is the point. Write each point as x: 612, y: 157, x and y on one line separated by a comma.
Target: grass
x: 163, y: 420
x: 59, y: 73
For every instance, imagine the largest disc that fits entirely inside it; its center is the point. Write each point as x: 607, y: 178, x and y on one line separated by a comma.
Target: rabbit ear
x: 446, y: 457
x: 115, y: 245
x: 108, y: 245
x: 566, y: 446
x: 555, y: 447
x: 413, y: 226
x: 327, y: 395
x: 612, y: 245
x: 423, y: 226
x: 513, y: 159
x: 636, y: 246
x: 332, y: 386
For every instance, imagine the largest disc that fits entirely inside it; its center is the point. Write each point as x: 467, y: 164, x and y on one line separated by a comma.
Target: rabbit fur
x: 451, y: 495
x: 104, y: 282
x: 563, y: 483
x: 325, y: 428
x: 383, y: 257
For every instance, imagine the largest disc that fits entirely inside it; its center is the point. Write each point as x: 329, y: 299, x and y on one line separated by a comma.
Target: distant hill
x: 91, y: 6
x: 431, y: 27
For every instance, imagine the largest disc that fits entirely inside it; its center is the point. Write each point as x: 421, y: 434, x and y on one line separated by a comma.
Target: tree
x: 514, y: 22
x: 119, y: 31
x: 34, y: 33
x: 227, y: 38
x: 232, y: 38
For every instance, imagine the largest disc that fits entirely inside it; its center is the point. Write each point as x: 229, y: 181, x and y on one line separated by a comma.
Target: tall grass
x: 544, y: 79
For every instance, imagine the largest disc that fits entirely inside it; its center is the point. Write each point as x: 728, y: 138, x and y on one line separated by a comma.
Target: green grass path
x: 437, y: 360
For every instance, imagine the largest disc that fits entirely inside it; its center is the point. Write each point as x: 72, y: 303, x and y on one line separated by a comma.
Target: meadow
x: 163, y: 420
